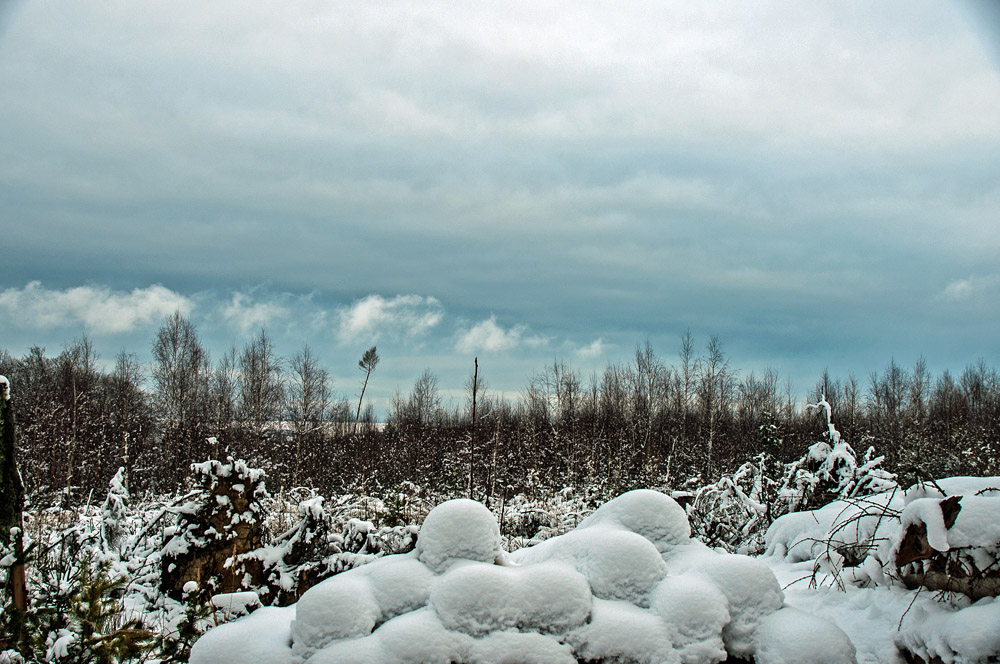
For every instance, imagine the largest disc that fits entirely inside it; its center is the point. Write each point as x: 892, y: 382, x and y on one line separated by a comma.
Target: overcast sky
x: 818, y: 184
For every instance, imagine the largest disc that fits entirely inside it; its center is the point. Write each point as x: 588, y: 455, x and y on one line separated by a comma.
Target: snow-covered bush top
x: 628, y: 585
x: 831, y: 470
x: 234, y: 469
x: 976, y: 525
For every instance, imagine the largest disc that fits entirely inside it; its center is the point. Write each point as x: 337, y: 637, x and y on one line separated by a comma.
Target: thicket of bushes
x: 645, y: 423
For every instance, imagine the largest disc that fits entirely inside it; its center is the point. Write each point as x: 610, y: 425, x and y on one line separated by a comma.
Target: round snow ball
x: 696, y: 612
x: 790, y: 636
x: 340, y: 607
x: 618, y: 565
x: 419, y: 637
x: 751, y: 590
x: 654, y: 515
x: 458, y: 529
x: 399, y: 584
x: 477, y: 599
x: 622, y: 632
x: 554, y: 597
x: 261, y: 637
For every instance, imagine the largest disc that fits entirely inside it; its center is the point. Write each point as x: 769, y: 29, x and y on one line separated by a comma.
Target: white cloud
x: 98, y: 308
x: 965, y: 289
x: 536, y: 341
x: 402, y: 316
x: 247, y: 315
x: 595, y: 349
x: 488, y: 336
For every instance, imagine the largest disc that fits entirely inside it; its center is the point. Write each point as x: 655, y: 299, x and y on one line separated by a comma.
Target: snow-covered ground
x: 630, y: 585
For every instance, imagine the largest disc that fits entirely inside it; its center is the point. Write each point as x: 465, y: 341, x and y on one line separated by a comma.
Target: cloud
x: 595, y: 349
x: 98, y: 308
x: 402, y: 316
x: 489, y: 336
x: 247, y: 315
x: 965, y: 289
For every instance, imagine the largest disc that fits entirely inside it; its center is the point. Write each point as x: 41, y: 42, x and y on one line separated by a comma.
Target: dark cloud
x: 816, y: 184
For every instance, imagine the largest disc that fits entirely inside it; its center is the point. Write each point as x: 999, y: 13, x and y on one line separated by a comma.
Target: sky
x: 817, y: 184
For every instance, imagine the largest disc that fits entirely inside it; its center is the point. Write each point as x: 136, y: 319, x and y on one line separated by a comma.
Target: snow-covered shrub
x: 217, y: 531
x: 318, y: 546
x: 830, y: 470
x: 113, y: 513
x: 627, y: 585
x: 525, y: 521
x: 734, y: 512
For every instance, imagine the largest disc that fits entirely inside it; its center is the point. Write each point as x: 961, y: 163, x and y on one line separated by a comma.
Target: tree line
x: 646, y: 422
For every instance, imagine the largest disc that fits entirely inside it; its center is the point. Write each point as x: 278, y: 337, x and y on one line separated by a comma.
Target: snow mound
x: 458, y: 529
x: 941, y: 536
x: 976, y: 524
x: 800, y: 536
x: 477, y: 599
x: 950, y: 486
x: 341, y: 607
x: 654, y: 515
x: 598, y: 593
x: 791, y: 636
x: 417, y: 637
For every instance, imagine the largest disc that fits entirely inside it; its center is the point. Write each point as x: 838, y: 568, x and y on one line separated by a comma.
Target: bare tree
x: 179, y: 369
x: 887, y: 401
x: 686, y: 377
x: 424, y: 405
x: 920, y: 387
x: 180, y: 381
x: 758, y: 397
x: 129, y: 407
x: 715, y: 389
x: 77, y: 363
x: 307, y: 403
x: 261, y: 393
x: 473, y: 386
x: 650, y: 395
x: 369, y: 360
x: 223, y: 392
